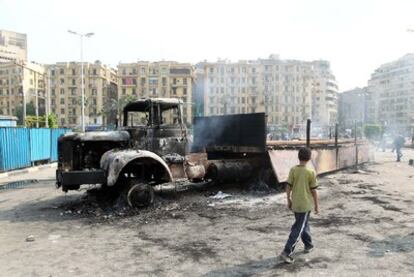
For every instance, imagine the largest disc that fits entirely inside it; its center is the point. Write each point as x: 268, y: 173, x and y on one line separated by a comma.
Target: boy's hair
x: 304, y: 154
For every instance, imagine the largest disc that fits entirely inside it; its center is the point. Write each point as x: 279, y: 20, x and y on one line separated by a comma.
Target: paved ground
x: 365, y: 228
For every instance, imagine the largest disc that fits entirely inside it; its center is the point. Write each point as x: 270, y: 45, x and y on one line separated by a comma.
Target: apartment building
x: 21, y: 82
x: 158, y: 79
x: 352, y: 107
x: 324, y: 94
x: 231, y: 88
x: 391, y: 94
x: 13, y: 46
x: 288, y: 91
x: 65, y: 92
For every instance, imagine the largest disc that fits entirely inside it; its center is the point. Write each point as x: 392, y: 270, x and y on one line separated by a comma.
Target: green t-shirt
x: 302, y: 180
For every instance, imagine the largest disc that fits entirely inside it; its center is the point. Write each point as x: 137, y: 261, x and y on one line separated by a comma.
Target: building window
x: 174, y: 91
x: 164, y: 81
x: 184, y: 81
x: 61, y: 71
x: 62, y: 81
x: 185, y: 91
x: 142, y: 70
x: 73, y: 82
x: 62, y: 111
x: 73, y: 72
x: 62, y: 91
x: 142, y: 81
x: 62, y: 101
x: 94, y: 71
x: 174, y: 81
x: 123, y: 91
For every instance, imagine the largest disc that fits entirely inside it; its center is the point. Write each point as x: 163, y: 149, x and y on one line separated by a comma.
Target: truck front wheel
x: 140, y: 195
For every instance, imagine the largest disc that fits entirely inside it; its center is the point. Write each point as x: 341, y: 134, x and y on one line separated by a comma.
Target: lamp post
x: 88, y: 35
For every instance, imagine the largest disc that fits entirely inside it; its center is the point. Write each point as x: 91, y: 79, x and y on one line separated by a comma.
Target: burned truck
x: 141, y: 154
x: 151, y: 153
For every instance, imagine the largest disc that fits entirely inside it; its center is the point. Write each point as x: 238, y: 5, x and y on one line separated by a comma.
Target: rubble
x: 30, y: 238
x: 220, y: 195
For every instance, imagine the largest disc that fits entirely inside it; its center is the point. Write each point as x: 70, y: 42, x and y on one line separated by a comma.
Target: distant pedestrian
x: 399, y: 142
x: 301, y: 197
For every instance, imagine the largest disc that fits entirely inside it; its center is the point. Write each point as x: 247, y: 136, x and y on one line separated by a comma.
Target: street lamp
x: 88, y: 35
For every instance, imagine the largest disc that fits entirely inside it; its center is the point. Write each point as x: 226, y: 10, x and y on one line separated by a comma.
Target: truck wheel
x: 140, y: 195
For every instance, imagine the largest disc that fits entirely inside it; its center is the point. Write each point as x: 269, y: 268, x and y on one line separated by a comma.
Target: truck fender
x: 114, y: 161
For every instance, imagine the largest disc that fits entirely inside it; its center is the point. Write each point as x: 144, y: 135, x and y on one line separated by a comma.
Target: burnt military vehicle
x: 147, y: 150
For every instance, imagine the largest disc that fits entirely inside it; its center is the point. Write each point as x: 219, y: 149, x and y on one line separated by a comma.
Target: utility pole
x: 82, y: 77
x: 46, y: 79
x: 36, y: 98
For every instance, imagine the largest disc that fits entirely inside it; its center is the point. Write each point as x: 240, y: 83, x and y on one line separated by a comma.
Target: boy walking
x: 301, y: 197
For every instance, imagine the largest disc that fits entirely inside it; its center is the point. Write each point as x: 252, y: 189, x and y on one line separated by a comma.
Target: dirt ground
x: 366, y: 228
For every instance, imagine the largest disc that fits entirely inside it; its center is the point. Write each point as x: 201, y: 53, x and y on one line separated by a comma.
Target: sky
x: 356, y: 36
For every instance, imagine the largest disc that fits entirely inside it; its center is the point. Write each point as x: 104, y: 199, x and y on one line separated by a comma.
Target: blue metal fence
x: 40, y: 144
x: 21, y: 147
x: 55, y: 134
x: 14, y: 148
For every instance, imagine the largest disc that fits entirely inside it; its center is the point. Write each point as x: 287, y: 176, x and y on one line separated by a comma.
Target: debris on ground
x: 30, y: 238
x: 220, y: 195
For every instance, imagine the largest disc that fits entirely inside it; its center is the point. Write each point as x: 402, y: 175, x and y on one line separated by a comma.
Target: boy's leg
x: 296, y: 232
x: 306, y: 236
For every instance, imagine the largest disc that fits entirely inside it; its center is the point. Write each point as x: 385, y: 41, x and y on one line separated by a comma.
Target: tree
x: 32, y: 121
x: 112, y: 108
x: 30, y: 110
x: 373, y: 131
x: 52, y: 120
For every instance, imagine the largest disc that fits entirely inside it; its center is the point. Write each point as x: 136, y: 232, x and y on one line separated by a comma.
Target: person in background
x: 399, y: 142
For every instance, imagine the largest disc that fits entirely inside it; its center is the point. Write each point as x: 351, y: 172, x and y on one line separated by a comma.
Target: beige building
x: 231, y: 88
x: 65, y: 92
x: 324, y: 94
x: 391, y: 94
x: 158, y: 79
x: 21, y: 82
x: 288, y: 91
x: 13, y: 46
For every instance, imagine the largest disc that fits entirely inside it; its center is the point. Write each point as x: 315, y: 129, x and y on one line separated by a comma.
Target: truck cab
x: 151, y: 141
x: 156, y: 125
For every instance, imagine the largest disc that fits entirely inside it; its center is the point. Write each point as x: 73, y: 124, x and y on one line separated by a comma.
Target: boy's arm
x: 289, y: 185
x: 315, y: 200
x: 313, y: 185
x: 288, y: 193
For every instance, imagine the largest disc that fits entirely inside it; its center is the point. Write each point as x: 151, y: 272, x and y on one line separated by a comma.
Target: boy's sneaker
x: 308, y: 249
x: 287, y: 259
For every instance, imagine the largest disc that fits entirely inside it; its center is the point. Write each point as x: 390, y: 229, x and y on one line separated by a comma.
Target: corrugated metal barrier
x: 55, y: 134
x: 14, y: 148
x: 40, y: 144
x: 21, y: 147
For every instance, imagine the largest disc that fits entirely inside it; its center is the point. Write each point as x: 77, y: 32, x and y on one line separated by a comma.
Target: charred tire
x: 140, y: 195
